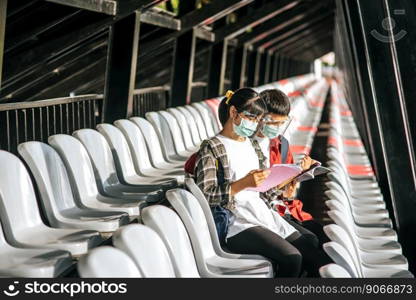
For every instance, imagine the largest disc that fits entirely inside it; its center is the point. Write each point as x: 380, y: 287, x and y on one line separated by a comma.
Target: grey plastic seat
x: 185, y: 129
x: 199, y: 196
x: 156, y: 144
x: 170, y: 228
x: 369, y: 218
x: 56, y: 195
x: 166, y: 139
x: 206, y: 117
x: 107, y: 262
x: 344, y: 221
x: 22, y: 223
x: 364, y: 258
x: 210, y: 264
x: 124, y: 160
x: 366, y: 243
x: 199, y: 122
x: 154, y: 148
x: 343, y: 258
x: 140, y: 153
x: 212, y: 116
x: 176, y: 133
x: 173, y: 233
x: 376, y: 207
x: 333, y: 271
x: 32, y: 262
x: 106, y: 174
x: 146, y: 249
x: 196, y: 137
x: 82, y: 178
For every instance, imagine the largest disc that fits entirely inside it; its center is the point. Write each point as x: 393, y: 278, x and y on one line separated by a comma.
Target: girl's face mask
x: 247, y: 126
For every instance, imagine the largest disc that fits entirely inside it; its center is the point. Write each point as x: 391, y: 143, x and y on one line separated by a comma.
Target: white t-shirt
x: 250, y: 210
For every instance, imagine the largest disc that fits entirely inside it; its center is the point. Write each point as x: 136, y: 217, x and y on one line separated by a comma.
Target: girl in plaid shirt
x: 231, y: 162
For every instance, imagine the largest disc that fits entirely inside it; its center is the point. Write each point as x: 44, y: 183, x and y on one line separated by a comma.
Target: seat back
x: 186, y: 133
x: 153, y: 144
x: 175, y: 130
x: 146, y: 249
x: 206, y: 117
x: 170, y: 228
x: 333, y: 271
x: 107, y: 262
x: 51, y: 178
x: 212, y: 106
x: 137, y: 144
x: 119, y: 148
x: 196, y: 137
x: 341, y: 257
x: 78, y: 165
x: 203, y: 202
x: 192, y: 215
x: 199, y: 122
x: 339, y: 235
x: 19, y: 210
x: 163, y: 132
x: 344, y: 221
x: 100, y: 155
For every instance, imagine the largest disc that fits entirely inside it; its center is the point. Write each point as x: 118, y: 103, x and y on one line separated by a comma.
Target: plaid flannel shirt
x: 212, y: 174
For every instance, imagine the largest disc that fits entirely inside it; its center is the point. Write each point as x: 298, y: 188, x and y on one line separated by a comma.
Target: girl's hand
x: 253, y: 179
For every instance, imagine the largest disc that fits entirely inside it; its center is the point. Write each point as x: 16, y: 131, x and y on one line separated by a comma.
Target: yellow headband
x: 228, y: 95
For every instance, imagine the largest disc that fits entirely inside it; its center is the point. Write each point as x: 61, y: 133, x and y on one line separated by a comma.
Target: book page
x: 279, y: 173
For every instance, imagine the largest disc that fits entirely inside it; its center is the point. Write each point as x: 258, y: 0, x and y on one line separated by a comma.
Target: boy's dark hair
x: 277, y: 102
x: 244, y: 99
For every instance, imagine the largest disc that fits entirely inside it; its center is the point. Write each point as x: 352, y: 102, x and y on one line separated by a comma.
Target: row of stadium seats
x: 92, y: 183
x: 186, y: 234
x: 363, y: 243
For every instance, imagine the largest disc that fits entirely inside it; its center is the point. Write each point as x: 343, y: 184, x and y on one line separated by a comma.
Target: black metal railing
x: 150, y: 99
x: 37, y: 120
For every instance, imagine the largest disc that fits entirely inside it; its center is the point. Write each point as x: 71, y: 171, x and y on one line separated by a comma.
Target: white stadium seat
x: 107, y: 262
x: 82, y: 178
x: 208, y: 261
x: 173, y: 233
x: 106, y: 174
x: 22, y: 223
x: 56, y: 194
x: 146, y: 249
x: 124, y: 160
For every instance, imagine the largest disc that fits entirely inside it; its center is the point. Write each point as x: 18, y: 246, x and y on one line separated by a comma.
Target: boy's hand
x: 306, y: 162
x: 290, y: 190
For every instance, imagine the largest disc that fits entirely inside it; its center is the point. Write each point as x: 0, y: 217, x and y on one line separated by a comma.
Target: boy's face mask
x: 273, y: 128
x: 271, y: 131
x: 248, y: 125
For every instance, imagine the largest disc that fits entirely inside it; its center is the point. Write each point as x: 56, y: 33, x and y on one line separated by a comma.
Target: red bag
x: 190, y: 164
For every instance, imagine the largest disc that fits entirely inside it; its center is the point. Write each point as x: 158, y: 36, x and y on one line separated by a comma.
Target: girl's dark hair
x: 244, y: 99
x: 277, y: 102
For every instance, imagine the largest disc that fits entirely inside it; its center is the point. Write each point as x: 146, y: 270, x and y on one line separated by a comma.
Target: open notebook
x: 283, y: 174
